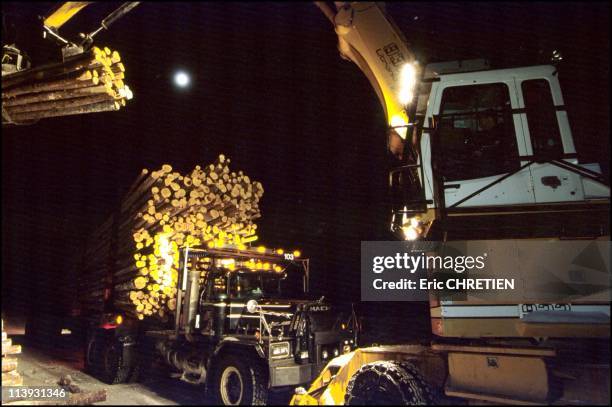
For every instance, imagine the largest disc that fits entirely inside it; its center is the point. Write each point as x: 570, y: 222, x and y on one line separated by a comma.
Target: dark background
x: 271, y: 92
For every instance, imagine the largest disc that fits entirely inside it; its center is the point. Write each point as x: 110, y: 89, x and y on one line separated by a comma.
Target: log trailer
x: 240, y: 332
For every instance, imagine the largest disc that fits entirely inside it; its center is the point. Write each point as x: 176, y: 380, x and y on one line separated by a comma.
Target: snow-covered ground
x: 44, y: 366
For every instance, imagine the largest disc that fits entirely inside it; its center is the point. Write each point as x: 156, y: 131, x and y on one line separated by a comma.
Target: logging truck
x: 238, y: 331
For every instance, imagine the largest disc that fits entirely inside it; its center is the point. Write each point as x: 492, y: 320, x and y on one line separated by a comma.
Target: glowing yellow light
x: 397, y: 121
x: 261, y: 249
x: 166, y: 252
x: 297, y: 253
x: 241, y: 247
x: 211, y: 244
x: 414, y: 222
x: 280, y: 251
x: 266, y: 266
x: 228, y: 263
x: 410, y: 232
x: 119, y: 319
x: 408, y: 75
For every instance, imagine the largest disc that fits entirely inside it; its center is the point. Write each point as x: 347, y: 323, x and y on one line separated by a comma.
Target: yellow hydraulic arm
x: 369, y: 37
x: 67, y: 10
x: 64, y: 13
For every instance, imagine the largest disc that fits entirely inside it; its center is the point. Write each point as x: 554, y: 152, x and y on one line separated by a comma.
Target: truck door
x: 548, y: 136
x: 212, y: 304
x: 476, y: 147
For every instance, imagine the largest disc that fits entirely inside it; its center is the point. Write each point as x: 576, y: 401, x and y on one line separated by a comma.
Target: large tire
x: 388, y: 383
x: 104, y: 360
x: 144, y: 364
x: 239, y: 381
x: 91, y: 355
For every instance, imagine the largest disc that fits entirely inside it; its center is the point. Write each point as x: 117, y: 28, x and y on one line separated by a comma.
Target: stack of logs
x: 92, y: 81
x: 133, y: 258
x: 10, y: 376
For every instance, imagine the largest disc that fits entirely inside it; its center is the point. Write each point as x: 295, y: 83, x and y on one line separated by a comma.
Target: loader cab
x: 492, y: 143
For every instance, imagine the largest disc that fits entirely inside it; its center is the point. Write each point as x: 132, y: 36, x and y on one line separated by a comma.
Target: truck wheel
x: 388, y: 383
x: 104, y: 360
x: 90, y: 359
x: 114, y: 370
x: 143, y: 364
x: 239, y: 381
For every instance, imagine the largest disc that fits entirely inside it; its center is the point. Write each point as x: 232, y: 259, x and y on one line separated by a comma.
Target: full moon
x: 181, y: 79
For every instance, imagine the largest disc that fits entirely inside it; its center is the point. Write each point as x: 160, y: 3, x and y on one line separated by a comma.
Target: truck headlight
x: 279, y: 350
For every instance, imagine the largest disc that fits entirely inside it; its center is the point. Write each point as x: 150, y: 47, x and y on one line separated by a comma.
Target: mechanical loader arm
x: 67, y: 10
x: 369, y: 37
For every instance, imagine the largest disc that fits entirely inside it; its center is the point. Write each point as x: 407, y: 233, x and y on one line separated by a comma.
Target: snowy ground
x: 45, y: 366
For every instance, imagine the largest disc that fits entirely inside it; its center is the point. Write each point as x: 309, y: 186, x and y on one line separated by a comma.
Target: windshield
x: 256, y: 285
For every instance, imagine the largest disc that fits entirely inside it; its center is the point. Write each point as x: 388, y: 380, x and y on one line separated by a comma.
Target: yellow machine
x: 484, y: 350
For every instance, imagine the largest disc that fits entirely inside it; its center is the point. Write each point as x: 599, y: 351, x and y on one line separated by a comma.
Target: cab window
x: 218, y: 287
x: 542, y: 118
x: 475, y: 135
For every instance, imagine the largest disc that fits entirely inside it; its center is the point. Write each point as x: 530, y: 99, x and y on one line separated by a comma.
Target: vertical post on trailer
x: 181, y: 285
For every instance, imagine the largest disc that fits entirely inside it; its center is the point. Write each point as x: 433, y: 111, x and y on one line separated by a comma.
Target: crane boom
x: 368, y: 36
x: 64, y: 13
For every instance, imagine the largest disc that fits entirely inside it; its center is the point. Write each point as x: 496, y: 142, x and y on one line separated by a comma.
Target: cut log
x: 57, y: 95
x: 68, y: 103
x: 107, y: 106
x: 12, y: 379
x: 8, y: 364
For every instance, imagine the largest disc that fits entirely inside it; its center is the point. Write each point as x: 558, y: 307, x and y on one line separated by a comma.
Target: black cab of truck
x: 253, y: 305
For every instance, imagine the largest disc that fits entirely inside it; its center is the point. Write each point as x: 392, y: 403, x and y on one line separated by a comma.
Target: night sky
x: 269, y: 90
